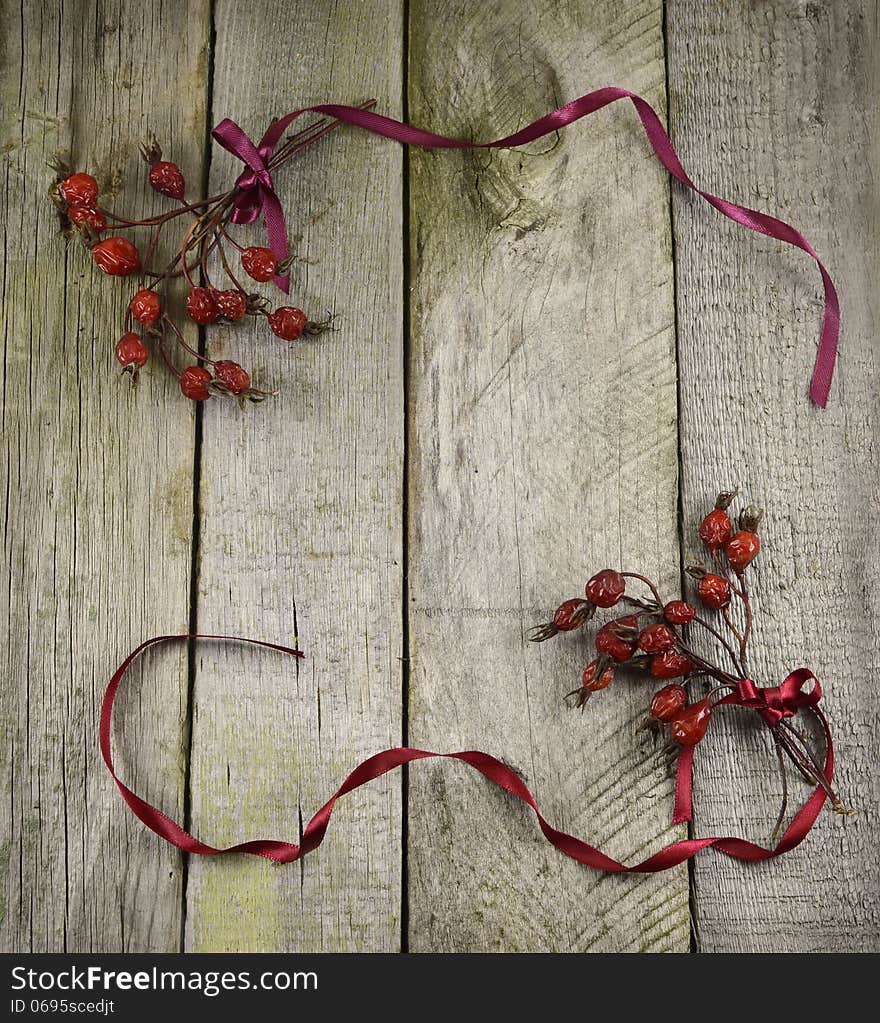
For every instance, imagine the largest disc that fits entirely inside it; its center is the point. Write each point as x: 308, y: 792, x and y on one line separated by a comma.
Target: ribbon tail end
x: 683, y: 810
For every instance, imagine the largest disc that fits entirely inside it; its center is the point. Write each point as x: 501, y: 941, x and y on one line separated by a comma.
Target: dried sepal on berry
x: 598, y: 675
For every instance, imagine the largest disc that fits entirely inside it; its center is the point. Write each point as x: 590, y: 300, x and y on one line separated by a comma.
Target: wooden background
x: 545, y: 360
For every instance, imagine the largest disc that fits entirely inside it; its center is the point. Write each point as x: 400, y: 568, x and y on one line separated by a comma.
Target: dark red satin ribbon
x: 257, y: 192
x: 489, y: 767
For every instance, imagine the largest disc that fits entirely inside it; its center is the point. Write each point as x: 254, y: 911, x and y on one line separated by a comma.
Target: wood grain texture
x: 542, y: 420
x: 98, y: 492
x: 301, y: 512
x: 776, y: 106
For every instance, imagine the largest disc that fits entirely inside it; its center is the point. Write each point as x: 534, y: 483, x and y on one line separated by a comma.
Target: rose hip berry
x: 117, y: 257
x: 670, y: 664
x: 688, y: 725
x: 605, y: 588
x: 657, y: 639
x: 232, y: 376
x: 85, y: 216
x: 668, y: 701
x: 201, y: 306
x: 617, y: 638
x: 167, y: 179
x: 742, y: 549
x: 231, y: 304
x: 715, y: 529
x: 145, y: 307
x: 79, y: 190
x: 288, y: 323
x: 131, y: 352
x: 259, y: 263
x: 569, y: 615
x: 714, y: 591
x: 194, y: 382
x: 679, y: 612
x: 597, y: 676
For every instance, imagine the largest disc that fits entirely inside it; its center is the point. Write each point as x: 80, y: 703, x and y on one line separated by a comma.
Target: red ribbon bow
x: 777, y: 702
x: 255, y: 190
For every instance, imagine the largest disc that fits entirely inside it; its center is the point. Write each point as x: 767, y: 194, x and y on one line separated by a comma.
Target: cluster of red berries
x: 654, y: 637
x: 148, y: 322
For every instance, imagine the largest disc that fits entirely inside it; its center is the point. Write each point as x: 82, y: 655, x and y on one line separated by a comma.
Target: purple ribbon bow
x: 255, y: 192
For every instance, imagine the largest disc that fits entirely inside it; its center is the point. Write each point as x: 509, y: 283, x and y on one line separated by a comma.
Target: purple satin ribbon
x: 256, y: 191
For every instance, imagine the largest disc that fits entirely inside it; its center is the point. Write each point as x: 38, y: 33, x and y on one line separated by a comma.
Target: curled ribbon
x: 790, y: 698
x: 257, y: 193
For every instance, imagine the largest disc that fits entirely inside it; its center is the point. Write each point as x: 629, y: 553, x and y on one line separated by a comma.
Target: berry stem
x: 219, y: 235
x: 710, y: 628
x: 647, y: 582
x: 780, y: 759
x: 294, y: 144
x: 182, y: 341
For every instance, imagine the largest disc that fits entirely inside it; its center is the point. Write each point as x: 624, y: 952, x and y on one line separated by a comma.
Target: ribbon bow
x: 255, y: 192
x: 773, y: 703
x: 777, y: 702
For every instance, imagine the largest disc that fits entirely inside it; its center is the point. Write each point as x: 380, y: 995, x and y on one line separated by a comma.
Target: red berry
x: 679, y: 612
x: 231, y: 304
x: 594, y: 680
x: 670, y: 664
x: 260, y: 264
x: 605, y: 588
x: 194, y: 383
x: 688, y: 725
x: 117, y: 257
x: 657, y: 639
x: 80, y: 190
x: 714, y: 591
x: 86, y: 216
x: 232, y: 375
x: 668, y: 701
x: 715, y: 529
x: 617, y: 639
x: 131, y: 352
x: 167, y: 179
x: 145, y: 307
x: 288, y: 323
x: 201, y: 306
x: 570, y: 615
x: 741, y: 549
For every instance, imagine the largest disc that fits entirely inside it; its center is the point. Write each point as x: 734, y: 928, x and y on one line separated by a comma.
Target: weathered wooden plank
x: 776, y: 106
x: 543, y: 429
x: 301, y: 512
x: 98, y: 486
